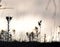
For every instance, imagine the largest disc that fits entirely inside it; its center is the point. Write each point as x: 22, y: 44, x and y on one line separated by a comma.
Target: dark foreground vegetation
x: 28, y: 44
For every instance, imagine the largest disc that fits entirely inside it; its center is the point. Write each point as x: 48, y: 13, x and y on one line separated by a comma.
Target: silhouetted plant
x: 4, y: 36
x: 37, y: 33
x: 10, y: 37
x: 44, y: 37
x: 39, y: 23
x: 14, y: 31
x: 2, y: 31
x: 29, y: 36
x: 32, y: 35
x: 36, y: 28
x: 1, y: 34
x: 27, y: 33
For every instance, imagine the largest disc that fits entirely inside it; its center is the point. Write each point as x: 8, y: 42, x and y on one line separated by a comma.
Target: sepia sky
x: 27, y: 13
